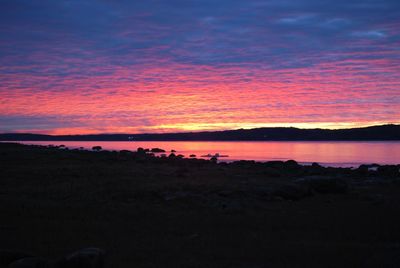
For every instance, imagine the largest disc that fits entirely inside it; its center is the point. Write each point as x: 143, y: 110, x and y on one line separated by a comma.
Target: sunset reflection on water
x: 342, y: 154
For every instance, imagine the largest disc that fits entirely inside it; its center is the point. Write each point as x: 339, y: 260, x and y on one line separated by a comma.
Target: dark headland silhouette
x: 382, y: 132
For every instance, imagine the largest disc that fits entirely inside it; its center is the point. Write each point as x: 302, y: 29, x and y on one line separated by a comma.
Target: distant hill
x: 384, y: 132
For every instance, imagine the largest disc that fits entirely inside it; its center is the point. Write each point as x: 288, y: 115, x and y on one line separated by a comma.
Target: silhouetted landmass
x: 384, y: 132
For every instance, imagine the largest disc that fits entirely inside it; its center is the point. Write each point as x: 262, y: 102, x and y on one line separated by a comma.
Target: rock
x: 362, y: 170
x: 30, y: 262
x: 292, y: 192
x: 214, y: 159
x: 373, y: 167
x: 173, y: 151
x: 291, y: 164
x: 315, y: 165
x: 291, y: 167
x: 389, y: 171
x: 125, y: 152
x: 84, y: 258
x: 97, y: 148
x: 275, y: 164
x: 157, y: 150
x: 365, y: 169
x: 316, y: 169
x: 192, y: 155
x: 9, y: 256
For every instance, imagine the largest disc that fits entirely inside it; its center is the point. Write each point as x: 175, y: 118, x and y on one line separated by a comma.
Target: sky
x: 126, y: 66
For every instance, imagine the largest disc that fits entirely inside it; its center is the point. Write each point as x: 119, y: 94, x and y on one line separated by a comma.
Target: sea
x: 326, y: 153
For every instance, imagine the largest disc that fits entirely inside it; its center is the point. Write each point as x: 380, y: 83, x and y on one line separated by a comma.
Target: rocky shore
x: 146, y: 210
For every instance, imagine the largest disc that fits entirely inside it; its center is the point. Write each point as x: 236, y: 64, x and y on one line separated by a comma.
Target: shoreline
x: 249, y: 153
x: 197, y: 213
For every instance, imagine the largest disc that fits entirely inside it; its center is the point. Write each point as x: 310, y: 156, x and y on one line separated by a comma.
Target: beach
x: 148, y: 211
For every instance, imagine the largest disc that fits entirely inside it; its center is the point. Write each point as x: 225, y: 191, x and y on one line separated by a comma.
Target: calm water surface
x: 339, y: 154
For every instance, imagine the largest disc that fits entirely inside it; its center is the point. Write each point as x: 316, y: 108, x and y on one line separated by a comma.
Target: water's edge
x: 332, y: 153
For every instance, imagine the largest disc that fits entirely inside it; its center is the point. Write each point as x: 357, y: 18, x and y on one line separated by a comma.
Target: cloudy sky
x: 113, y: 66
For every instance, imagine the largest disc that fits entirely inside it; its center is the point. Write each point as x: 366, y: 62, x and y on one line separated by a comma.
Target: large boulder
x: 275, y: 164
x: 97, y: 148
x: 292, y: 164
x: 365, y: 170
x: 157, y: 150
x: 317, y: 169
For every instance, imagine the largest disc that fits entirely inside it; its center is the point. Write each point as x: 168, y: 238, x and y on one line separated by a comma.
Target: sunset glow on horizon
x: 98, y: 66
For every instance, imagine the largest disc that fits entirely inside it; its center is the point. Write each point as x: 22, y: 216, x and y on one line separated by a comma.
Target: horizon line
x: 200, y: 131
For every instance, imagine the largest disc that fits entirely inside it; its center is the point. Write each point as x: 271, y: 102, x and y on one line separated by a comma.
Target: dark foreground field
x: 171, y: 212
